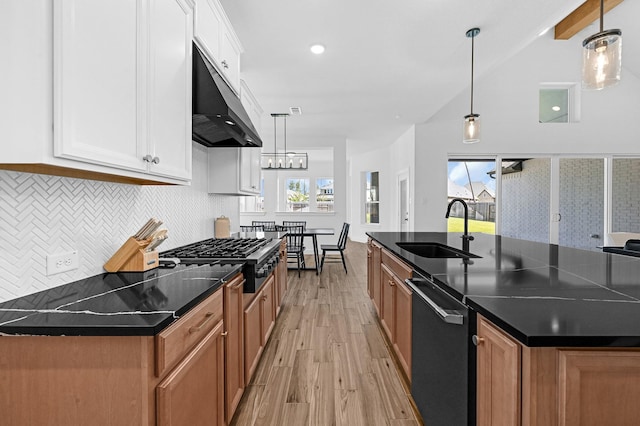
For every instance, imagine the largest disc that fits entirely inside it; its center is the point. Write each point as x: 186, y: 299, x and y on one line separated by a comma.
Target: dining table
x: 313, y: 233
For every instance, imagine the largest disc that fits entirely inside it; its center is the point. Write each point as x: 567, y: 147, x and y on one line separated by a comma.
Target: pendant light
x: 602, y: 57
x: 283, y: 160
x: 471, y: 131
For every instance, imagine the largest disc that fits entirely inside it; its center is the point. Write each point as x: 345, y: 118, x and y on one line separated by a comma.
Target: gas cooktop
x: 214, y: 249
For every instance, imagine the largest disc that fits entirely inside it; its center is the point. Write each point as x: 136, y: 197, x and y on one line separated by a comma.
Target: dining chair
x: 295, y: 248
x: 252, y: 228
x: 269, y: 225
x: 302, y: 223
x: 342, y: 244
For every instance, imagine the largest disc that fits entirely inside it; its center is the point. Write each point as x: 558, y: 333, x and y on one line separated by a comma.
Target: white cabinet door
x: 169, y: 111
x: 208, y: 27
x: 216, y: 38
x: 98, y: 69
x: 250, y: 170
x: 234, y: 171
x: 251, y: 105
x: 230, y: 58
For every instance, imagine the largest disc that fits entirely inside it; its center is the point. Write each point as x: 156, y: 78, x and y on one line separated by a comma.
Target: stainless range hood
x: 219, y: 119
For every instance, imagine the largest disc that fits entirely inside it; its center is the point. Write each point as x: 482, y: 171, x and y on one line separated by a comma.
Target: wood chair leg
x: 298, y: 258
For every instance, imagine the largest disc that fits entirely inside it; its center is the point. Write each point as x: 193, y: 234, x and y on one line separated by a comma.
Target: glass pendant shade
x: 471, y: 130
x: 602, y: 60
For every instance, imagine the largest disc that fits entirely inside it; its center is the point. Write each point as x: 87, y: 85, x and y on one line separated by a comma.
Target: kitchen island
x: 557, y: 329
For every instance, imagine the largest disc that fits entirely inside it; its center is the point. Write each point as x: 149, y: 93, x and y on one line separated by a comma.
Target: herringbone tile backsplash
x: 42, y: 215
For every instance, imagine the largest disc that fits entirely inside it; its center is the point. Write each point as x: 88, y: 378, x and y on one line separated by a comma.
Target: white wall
x: 389, y: 161
x: 507, y: 100
x: 42, y: 215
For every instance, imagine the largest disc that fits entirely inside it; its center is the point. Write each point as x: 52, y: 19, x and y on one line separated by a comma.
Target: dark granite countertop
x: 542, y: 294
x: 120, y: 304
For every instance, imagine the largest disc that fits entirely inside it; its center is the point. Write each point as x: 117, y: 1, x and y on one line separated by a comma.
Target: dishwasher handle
x: 446, y: 315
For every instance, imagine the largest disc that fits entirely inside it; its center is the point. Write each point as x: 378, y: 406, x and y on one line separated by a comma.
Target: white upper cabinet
x: 99, y: 66
x: 118, y: 79
x: 169, y: 109
x: 251, y: 105
x: 215, y: 36
x: 234, y: 171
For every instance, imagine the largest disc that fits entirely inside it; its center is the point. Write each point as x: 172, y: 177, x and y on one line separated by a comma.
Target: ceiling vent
x: 295, y: 110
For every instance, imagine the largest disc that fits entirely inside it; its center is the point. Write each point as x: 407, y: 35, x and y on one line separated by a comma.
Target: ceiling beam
x: 582, y: 17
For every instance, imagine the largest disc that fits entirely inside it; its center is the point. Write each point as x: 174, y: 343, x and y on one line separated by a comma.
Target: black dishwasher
x: 442, y: 361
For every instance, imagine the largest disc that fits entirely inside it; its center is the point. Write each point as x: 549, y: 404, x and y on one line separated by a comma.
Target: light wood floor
x: 327, y: 362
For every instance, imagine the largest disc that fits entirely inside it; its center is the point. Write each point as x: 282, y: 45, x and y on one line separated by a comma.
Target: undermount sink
x: 434, y: 250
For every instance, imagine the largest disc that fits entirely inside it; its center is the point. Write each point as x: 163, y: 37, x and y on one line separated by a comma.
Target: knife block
x: 132, y: 257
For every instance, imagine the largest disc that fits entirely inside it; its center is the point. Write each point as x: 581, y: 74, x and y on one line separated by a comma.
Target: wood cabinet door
x: 369, y: 271
x: 281, y: 280
x: 169, y: 88
x: 233, y: 345
x: 267, y: 309
x: 598, y: 387
x: 387, y: 312
x: 377, y: 278
x: 193, y: 393
x: 402, y: 342
x: 498, y: 376
x: 252, y: 337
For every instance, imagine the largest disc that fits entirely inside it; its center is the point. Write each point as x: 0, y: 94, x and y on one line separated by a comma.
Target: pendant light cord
x: 601, y: 15
x: 473, y: 37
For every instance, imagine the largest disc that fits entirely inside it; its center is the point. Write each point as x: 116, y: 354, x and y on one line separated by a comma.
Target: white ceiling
x: 388, y: 64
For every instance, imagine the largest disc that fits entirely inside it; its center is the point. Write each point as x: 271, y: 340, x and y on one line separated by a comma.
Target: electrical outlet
x: 62, y: 262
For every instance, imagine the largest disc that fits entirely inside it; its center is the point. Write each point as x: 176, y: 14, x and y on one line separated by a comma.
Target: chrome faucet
x: 466, y: 237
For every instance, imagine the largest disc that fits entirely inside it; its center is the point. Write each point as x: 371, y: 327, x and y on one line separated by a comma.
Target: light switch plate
x: 62, y: 262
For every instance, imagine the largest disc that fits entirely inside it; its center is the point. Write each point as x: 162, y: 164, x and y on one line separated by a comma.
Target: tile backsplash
x: 42, y: 215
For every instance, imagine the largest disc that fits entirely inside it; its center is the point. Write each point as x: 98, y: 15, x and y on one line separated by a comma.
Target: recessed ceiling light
x: 318, y: 49
x: 555, y: 108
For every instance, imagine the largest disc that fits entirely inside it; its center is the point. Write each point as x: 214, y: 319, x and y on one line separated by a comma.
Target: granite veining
x: 126, y: 303
x: 542, y: 294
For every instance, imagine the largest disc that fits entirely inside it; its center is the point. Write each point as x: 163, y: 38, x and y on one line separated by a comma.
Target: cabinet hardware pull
x: 264, y: 297
x: 156, y: 160
x: 208, y: 316
x: 224, y: 333
x: 147, y: 158
x: 477, y: 340
x: 240, y: 284
x: 224, y: 64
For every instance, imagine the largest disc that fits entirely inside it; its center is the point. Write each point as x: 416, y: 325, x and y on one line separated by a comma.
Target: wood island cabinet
x: 553, y: 386
x: 373, y: 274
x: 386, y: 284
x: 498, y: 377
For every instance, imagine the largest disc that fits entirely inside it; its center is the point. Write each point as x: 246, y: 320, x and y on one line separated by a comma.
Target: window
x: 474, y: 182
x: 253, y: 204
x: 297, y: 191
x: 324, y: 194
x: 371, y: 197
x: 558, y: 103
